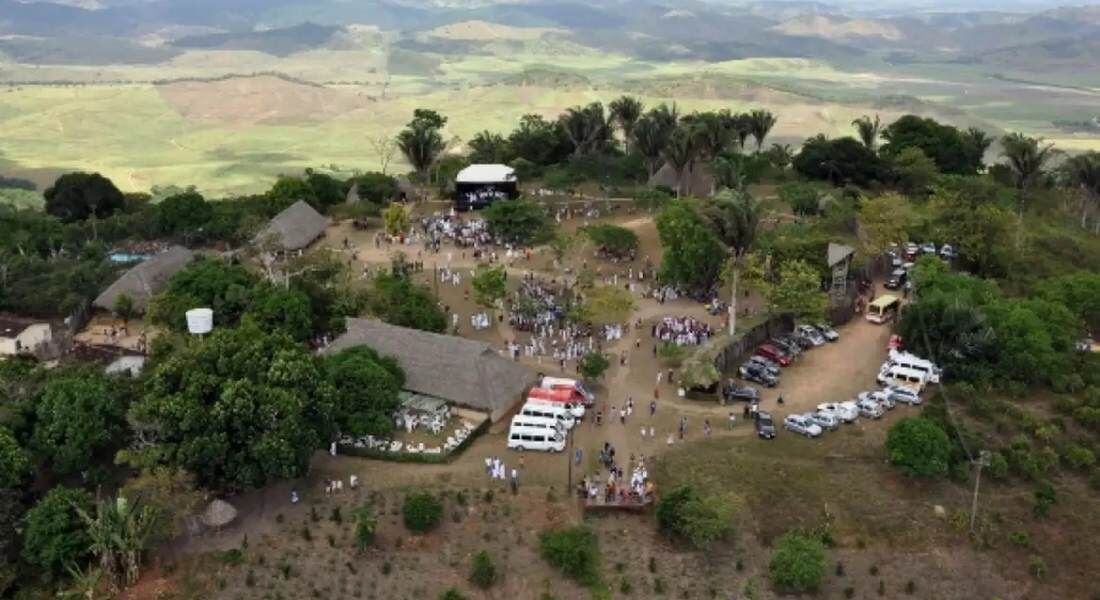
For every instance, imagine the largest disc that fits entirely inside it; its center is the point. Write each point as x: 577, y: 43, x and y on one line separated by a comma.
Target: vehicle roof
x: 884, y: 301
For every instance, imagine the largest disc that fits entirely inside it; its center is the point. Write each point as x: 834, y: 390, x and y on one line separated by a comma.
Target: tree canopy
x: 365, y: 390
x: 919, y: 447
x: 798, y: 563
x: 78, y: 196
x: 397, y: 300
x: 54, y: 535
x: 839, y: 161
x: 945, y: 145
x: 693, y: 253
x: 79, y: 414
x: 518, y: 222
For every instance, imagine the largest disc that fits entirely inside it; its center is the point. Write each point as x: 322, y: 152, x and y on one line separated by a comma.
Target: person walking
x: 652, y: 407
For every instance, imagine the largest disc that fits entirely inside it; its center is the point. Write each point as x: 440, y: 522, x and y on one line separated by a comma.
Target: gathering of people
x: 682, y: 331
x: 616, y: 489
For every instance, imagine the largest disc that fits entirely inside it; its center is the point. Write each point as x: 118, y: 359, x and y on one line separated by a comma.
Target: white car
x: 811, y: 333
x: 870, y: 409
x: 928, y: 248
x: 827, y: 332
x: 881, y: 397
x: 801, y: 424
x: 846, y: 412
x: 947, y: 252
x: 825, y: 420
x: 903, y: 395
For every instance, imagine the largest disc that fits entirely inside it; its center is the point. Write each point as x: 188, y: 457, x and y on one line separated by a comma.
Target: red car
x: 774, y: 354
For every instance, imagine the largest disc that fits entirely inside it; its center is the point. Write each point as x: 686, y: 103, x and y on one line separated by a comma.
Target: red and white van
x: 559, y: 397
x: 578, y: 392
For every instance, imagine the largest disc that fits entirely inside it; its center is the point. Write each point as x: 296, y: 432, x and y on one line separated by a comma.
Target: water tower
x: 200, y: 321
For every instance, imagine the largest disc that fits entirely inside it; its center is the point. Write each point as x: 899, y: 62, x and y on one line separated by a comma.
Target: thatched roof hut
x: 146, y: 279
x: 296, y: 227
x: 698, y: 180
x: 463, y: 372
x: 218, y: 513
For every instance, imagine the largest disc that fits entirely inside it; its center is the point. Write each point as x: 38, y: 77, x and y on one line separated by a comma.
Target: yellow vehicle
x: 883, y: 309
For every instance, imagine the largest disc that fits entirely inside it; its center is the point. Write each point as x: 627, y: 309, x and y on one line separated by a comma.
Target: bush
x: 1020, y: 538
x: 483, y: 573
x: 575, y: 551
x: 366, y: 526
x: 919, y: 447
x: 798, y: 563
x: 1037, y: 567
x: 1080, y: 457
x: 518, y: 222
x: 593, y: 365
x: 998, y: 466
x: 698, y: 519
x: 421, y: 511
x: 54, y: 536
x: 1045, y: 497
x: 613, y: 240
x: 452, y: 594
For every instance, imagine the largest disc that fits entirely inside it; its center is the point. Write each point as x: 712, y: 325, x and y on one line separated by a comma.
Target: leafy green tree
x: 1079, y: 292
x: 80, y: 413
x: 651, y: 134
x: 452, y: 594
x: 124, y: 308
x: 366, y: 390
x: 397, y: 300
x: 803, y: 198
x: 421, y: 142
x: 11, y: 519
x: 944, y: 144
x: 78, y: 196
x: 483, y: 573
x: 593, y: 365
x: 184, y: 214
x: 421, y: 511
x: 977, y: 142
x: 169, y: 495
x: 396, y: 219
x: 210, y: 283
x: 377, y: 188
x: 243, y: 408
x: 120, y: 532
x: 607, y: 305
x: 366, y: 526
x: 798, y: 291
x: 490, y: 285
x: 762, y: 122
x: 288, y: 189
x: 687, y: 514
x: 884, y: 220
x: 54, y: 536
x: 518, y: 222
x: 15, y: 462
x: 979, y: 232
x: 326, y: 189
x: 914, y: 172
x: 575, y: 551
x: 868, y: 130
x: 539, y: 141
x: 1034, y: 338
x: 798, y: 563
x: 840, y: 161
x: 587, y: 127
x: 735, y: 217
x: 282, y: 308
x: 919, y: 447
x: 489, y: 147
x: 693, y: 254
x: 615, y: 240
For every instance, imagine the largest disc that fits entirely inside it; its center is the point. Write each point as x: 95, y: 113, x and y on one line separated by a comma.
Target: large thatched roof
x: 146, y: 279
x: 698, y: 180
x: 463, y: 372
x: 296, y: 227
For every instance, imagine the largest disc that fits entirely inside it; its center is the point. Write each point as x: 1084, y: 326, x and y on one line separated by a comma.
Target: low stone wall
x: 732, y: 349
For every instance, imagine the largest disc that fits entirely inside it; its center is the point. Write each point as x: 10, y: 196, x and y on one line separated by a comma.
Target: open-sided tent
x: 478, y: 186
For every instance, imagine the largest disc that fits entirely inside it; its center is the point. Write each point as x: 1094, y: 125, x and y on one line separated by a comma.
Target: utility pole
x: 983, y: 461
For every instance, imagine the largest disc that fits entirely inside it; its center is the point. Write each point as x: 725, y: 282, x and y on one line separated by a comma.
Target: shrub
x: 366, y: 526
x: 849, y: 592
x: 1045, y: 497
x: 910, y: 587
x: 998, y: 466
x: 1020, y: 538
x: 483, y: 573
x: 421, y: 511
x: 1080, y: 457
x: 1037, y: 567
x: 919, y: 447
x: 452, y: 594
x: 593, y: 365
x: 575, y: 551
x: 798, y: 563
x: 54, y: 535
x: 698, y: 519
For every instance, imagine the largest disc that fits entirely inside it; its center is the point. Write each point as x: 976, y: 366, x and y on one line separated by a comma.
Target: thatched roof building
x: 296, y: 227
x: 146, y: 279
x: 698, y: 179
x: 463, y: 372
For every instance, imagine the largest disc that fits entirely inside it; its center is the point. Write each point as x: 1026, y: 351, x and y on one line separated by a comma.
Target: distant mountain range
x: 101, y: 31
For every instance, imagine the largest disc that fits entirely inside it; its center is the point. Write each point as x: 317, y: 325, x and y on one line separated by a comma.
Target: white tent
x: 482, y: 174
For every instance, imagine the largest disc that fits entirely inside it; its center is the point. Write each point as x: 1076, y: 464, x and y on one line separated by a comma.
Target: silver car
x: 881, y: 397
x: 825, y: 420
x: 870, y: 409
x: 802, y: 425
x: 903, y: 395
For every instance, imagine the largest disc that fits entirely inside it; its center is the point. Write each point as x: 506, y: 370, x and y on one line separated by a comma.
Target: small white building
x: 22, y: 336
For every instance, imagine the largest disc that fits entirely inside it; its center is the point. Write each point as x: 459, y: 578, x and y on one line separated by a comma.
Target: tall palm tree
x: 978, y: 142
x: 626, y: 111
x: 781, y: 155
x: 742, y: 127
x: 1027, y: 160
x: 680, y: 152
x: 421, y: 146
x: 761, y: 123
x: 728, y: 173
x: 120, y: 532
x: 651, y: 133
x: 586, y: 127
x: 712, y: 131
x: 868, y: 130
x: 735, y: 217
x: 1083, y: 172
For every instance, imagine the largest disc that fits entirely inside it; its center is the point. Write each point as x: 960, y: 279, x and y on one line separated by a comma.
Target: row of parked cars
x: 765, y: 365
x: 829, y: 416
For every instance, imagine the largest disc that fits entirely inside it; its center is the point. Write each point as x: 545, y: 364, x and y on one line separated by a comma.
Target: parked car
x: 847, y: 412
x: 768, y: 365
x: 801, y: 424
x: 947, y: 252
x: 774, y: 354
x: 810, y: 332
x: 793, y: 341
x: 764, y: 425
x: 896, y: 279
x: 870, y: 409
x: 911, y: 250
x: 903, y: 395
x: 827, y: 332
x: 928, y: 248
x: 786, y: 346
x: 757, y: 374
x: 743, y: 393
x: 881, y: 397
x: 824, y: 420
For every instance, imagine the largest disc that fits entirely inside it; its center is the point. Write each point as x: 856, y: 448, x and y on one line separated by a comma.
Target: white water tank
x: 200, y: 320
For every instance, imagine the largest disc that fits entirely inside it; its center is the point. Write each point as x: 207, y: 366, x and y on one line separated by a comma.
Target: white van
x: 551, y: 411
x: 527, y: 438
x: 576, y: 410
x: 907, y: 378
x: 914, y: 362
x: 538, y: 423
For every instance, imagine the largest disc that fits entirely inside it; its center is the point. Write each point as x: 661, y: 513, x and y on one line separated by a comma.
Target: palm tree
x: 587, y: 128
x: 1027, y: 159
x: 760, y: 124
x: 421, y: 146
x: 489, y: 147
x: 742, y: 127
x: 626, y: 111
x: 680, y: 152
x: 120, y: 532
x: 868, y: 130
x: 728, y: 173
x: 781, y: 155
x: 1083, y: 171
x: 735, y: 216
x: 978, y: 142
x: 712, y: 131
x: 651, y: 133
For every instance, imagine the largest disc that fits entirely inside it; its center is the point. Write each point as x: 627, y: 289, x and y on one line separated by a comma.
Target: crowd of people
x: 463, y: 233
x: 682, y: 331
x: 638, y: 490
